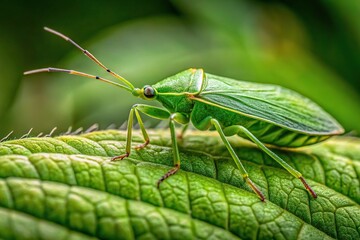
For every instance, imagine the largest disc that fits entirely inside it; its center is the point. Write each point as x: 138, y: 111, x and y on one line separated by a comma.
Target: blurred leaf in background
x: 312, y: 48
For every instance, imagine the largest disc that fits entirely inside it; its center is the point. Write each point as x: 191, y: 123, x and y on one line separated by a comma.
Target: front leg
x: 151, y: 111
x: 143, y: 130
x: 182, y: 133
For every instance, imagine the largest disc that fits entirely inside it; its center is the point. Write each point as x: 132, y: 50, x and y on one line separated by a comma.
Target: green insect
x: 262, y: 113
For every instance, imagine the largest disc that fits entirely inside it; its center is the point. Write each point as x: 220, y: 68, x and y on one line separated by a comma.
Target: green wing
x: 269, y: 103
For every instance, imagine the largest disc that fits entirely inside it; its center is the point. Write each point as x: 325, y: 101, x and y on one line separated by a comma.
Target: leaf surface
x: 66, y: 187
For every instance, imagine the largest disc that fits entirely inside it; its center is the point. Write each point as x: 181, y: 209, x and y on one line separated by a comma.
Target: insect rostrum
x: 262, y: 113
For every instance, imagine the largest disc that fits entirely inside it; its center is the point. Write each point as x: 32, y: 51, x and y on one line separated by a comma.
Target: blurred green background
x: 312, y: 47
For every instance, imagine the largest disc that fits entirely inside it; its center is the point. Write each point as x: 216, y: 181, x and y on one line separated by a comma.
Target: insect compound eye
x: 149, y: 92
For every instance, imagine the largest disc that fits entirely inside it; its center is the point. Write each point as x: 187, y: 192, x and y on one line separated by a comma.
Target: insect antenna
x: 73, y: 72
x: 92, y: 57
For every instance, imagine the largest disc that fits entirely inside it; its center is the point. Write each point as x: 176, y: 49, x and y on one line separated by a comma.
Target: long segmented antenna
x: 73, y: 72
x: 92, y: 57
x: 128, y: 86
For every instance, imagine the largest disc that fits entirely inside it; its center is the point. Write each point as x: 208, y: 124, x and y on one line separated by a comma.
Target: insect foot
x: 121, y: 157
x: 313, y: 194
x: 168, y: 174
x: 255, y: 189
x: 141, y: 146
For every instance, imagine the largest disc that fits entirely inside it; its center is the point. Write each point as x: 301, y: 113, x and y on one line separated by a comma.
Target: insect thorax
x: 173, y: 92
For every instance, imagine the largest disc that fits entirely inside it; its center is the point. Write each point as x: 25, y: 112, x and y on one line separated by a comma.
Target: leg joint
x: 180, y: 118
x: 172, y: 116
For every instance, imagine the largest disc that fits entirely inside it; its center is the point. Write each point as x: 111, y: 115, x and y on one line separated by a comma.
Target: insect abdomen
x: 278, y: 136
x: 266, y: 132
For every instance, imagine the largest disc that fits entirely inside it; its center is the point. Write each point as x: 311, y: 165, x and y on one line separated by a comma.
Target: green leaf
x: 66, y: 187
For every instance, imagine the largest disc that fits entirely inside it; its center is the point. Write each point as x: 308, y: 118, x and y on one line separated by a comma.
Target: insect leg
x: 181, y: 134
x: 151, y: 111
x: 178, y: 117
x: 291, y: 170
x: 143, y: 130
x: 128, y: 137
x: 237, y: 160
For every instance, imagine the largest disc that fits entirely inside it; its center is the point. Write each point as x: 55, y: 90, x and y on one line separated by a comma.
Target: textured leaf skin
x: 68, y: 188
